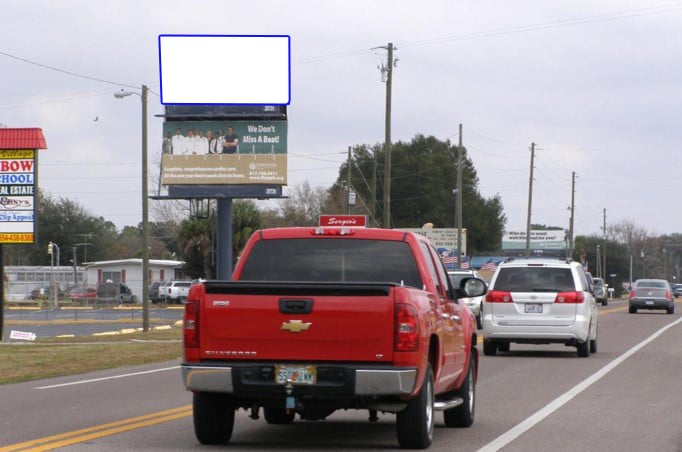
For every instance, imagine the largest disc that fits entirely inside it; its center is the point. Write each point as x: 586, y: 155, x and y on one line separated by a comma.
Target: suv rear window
x: 534, y: 279
x: 332, y: 260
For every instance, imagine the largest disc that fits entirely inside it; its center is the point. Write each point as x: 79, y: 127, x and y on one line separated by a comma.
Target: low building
x: 129, y: 272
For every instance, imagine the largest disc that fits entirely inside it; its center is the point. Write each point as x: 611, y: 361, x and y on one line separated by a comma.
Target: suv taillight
x: 569, y: 297
x: 498, y: 296
x: 190, y: 324
x: 632, y: 294
x: 406, y: 329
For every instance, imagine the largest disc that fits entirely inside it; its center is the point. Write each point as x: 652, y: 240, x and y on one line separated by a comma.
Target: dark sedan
x: 677, y: 290
x: 651, y: 294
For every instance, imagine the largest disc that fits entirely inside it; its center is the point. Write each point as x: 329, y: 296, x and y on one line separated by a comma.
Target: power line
x: 64, y: 71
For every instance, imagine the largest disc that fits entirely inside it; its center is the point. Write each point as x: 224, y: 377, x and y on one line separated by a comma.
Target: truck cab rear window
x: 332, y: 260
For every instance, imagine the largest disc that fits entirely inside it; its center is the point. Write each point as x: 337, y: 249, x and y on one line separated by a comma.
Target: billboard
x: 224, y: 152
x: 17, y: 195
x: 445, y: 239
x: 539, y: 240
x: 243, y: 69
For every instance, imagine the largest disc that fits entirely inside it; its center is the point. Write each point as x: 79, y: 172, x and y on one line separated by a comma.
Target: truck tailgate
x: 297, y: 322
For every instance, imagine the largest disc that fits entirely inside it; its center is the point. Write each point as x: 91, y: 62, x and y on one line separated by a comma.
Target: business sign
x: 539, y: 240
x: 224, y: 152
x: 17, y: 195
x: 344, y: 220
x: 444, y: 239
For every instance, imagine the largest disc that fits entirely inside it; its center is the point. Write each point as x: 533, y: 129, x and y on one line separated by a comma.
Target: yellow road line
x: 99, y: 431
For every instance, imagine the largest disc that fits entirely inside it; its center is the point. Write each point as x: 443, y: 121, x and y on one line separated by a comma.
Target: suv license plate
x: 533, y: 308
x: 306, y: 375
x: 649, y: 302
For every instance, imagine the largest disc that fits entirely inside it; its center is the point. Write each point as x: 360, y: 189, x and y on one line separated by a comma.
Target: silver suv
x: 540, y: 301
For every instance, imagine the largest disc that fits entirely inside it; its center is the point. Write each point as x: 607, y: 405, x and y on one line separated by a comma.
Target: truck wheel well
x: 433, y: 354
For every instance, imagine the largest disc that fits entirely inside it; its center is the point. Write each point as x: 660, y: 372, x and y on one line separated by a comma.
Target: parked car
x: 651, y: 294
x: 540, y: 301
x: 599, y: 288
x: 45, y: 293
x: 82, y: 295
x: 110, y: 292
x: 677, y: 290
x: 475, y: 304
x: 177, y: 291
x: 155, y: 296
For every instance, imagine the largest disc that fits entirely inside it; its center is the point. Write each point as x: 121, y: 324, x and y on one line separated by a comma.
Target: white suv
x: 540, y: 301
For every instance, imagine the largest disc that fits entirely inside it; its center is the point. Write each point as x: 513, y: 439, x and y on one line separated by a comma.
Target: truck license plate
x: 533, y: 308
x: 649, y: 302
x: 306, y: 375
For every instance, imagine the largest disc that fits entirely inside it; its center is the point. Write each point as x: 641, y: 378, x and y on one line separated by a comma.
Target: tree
x: 65, y: 223
x: 196, y: 240
x: 302, y: 207
x: 424, y: 174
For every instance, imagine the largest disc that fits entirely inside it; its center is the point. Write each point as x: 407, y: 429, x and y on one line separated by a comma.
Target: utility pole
x: 348, y: 185
x: 571, y: 223
x: 604, y: 246
x: 459, y: 199
x: 374, y: 189
x: 387, y: 140
x: 530, y: 198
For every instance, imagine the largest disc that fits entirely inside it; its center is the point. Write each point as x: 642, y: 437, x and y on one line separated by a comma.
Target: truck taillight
x: 406, y: 329
x: 190, y: 324
x: 632, y: 294
x: 569, y: 297
x: 498, y: 296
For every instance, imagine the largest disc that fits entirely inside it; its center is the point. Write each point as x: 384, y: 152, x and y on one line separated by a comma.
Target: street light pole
x: 145, y: 207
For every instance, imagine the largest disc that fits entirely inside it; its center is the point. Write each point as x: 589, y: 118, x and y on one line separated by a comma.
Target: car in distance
x: 474, y: 304
x: 155, y: 295
x: 600, y: 291
x: 110, y: 292
x: 82, y: 295
x: 651, y: 294
x: 677, y: 290
x: 540, y: 301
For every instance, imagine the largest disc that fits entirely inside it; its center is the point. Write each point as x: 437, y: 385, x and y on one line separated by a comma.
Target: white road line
x: 80, y: 382
x: 513, y: 433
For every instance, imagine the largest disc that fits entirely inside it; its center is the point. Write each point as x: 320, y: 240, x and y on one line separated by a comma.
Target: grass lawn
x: 54, y: 357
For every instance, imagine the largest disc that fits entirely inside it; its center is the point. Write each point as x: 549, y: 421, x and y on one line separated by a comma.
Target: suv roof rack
x: 568, y: 260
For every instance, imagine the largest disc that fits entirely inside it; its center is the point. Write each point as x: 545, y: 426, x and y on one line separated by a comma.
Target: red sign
x: 359, y: 221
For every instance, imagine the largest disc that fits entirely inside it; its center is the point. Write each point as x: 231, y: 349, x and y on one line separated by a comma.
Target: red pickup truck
x: 316, y: 320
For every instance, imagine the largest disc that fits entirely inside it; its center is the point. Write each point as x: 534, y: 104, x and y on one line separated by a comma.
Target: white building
x: 21, y: 280
x: 129, y: 272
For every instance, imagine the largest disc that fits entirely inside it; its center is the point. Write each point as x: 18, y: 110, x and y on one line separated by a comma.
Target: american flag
x: 465, y: 262
x: 449, y: 258
x: 490, y: 266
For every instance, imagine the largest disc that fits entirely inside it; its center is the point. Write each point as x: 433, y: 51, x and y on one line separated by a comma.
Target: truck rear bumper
x: 357, y: 381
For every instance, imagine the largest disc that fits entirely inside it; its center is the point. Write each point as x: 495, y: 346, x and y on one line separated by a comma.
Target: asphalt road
x: 626, y: 397
x: 83, y: 321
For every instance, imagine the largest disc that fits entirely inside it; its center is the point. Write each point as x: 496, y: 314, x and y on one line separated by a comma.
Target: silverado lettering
x: 325, y: 319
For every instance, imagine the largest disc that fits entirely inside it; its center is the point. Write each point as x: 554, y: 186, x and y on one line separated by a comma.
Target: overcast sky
x: 597, y: 85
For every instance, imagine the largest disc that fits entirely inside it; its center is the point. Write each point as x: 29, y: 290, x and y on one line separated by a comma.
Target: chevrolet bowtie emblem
x: 295, y: 326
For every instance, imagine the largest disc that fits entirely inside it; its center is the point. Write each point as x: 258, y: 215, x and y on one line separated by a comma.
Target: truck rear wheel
x: 213, y: 417
x: 463, y: 415
x: 415, y: 423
